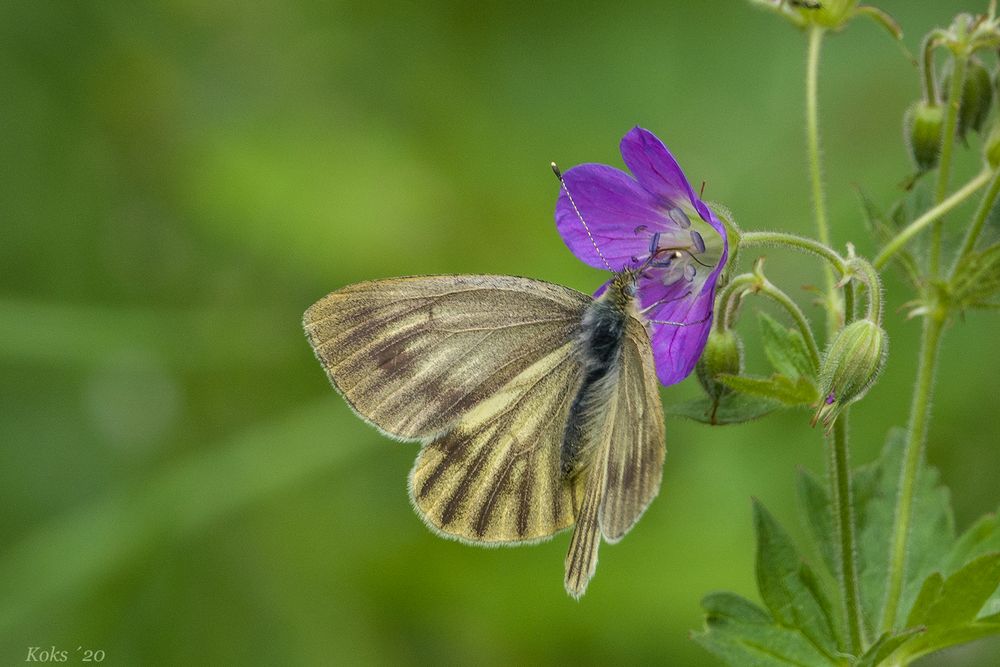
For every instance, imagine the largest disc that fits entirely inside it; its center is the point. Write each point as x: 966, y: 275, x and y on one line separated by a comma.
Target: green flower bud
x: 723, y: 354
x: 850, y: 368
x: 831, y: 13
x: 922, y: 130
x: 977, y: 97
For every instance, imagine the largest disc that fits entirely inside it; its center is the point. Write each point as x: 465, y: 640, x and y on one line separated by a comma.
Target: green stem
x: 871, y: 280
x: 771, y: 290
x: 795, y: 242
x: 727, y: 301
x: 978, y: 220
x: 927, y: 69
x: 815, y: 165
x: 900, y: 240
x: 840, y: 484
x: 947, y: 148
x: 916, y: 436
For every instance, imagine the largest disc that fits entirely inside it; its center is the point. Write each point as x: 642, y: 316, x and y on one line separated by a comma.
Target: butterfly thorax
x: 602, y: 330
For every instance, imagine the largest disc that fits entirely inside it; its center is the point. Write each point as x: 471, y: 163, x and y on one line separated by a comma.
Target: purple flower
x: 651, y: 222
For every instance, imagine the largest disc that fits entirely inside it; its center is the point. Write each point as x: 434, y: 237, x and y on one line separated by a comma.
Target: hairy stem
x: 869, y: 276
x: 840, y: 486
x: 728, y: 299
x: 900, y: 240
x: 916, y: 436
x: 795, y: 242
x: 771, y: 290
x: 815, y: 164
x: 947, y: 148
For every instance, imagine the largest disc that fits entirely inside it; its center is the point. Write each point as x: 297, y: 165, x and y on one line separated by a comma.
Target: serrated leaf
x: 757, y: 645
x: 815, y: 504
x: 980, y: 538
x: 928, y: 596
x: 931, y: 529
x: 783, y: 389
x: 781, y: 581
x: 785, y: 349
x: 885, y: 646
x: 732, y: 408
x: 942, y: 639
x: 951, y: 618
x: 726, y: 605
x: 977, y: 280
x: 741, y: 633
x: 965, y: 592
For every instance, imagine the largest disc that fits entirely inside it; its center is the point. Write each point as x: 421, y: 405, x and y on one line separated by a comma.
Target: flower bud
x: 922, y: 129
x: 851, y: 365
x: 976, y: 100
x: 723, y: 354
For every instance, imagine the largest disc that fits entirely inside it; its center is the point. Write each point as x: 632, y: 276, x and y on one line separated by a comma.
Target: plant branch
x: 947, y: 148
x: 916, y: 436
x: 978, y: 220
x: 795, y: 242
x: 915, y: 227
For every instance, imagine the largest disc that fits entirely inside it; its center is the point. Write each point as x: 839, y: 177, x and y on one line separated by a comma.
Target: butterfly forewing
x: 411, y: 355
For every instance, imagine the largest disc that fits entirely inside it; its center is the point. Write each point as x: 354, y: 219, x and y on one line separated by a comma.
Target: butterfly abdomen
x: 602, y: 333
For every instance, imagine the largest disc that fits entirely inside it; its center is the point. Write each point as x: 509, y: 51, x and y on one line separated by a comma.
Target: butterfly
x: 537, y: 406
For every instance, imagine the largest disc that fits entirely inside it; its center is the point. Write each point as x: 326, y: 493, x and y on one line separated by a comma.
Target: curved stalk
x: 771, y: 290
x: 795, y: 242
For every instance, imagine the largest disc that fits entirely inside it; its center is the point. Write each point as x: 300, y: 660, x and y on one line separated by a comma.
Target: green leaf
x: 815, y: 505
x: 926, y: 598
x: 792, y: 393
x: 937, y: 640
x: 733, y: 408
x: 965, y: 592
x: 980, y: 538
x: 725, y: 605
x: 977, y: 280
x: 788, y: 587
x: 950, y: 614
x: 741, y: 633
x: 885, y: 645
x: 785, y: 349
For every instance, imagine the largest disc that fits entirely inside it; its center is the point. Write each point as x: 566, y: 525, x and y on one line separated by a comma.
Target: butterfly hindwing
x: 495, y: 476
x: 636, y: 449
x: 411, y: 355
x: 623, y: 476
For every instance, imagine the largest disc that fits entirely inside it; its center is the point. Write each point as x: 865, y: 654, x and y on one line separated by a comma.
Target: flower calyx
x: 851, y: 366
x: 829, y: 14
x: 922, y: 126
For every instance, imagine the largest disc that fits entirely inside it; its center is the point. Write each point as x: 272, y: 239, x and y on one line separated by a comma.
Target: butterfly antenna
x: 586, y: 227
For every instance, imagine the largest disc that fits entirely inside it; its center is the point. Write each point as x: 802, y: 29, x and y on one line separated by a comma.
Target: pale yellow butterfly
x: 537, y: 406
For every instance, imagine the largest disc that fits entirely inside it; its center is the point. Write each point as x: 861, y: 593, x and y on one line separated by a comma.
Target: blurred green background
x: 179, y: 181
